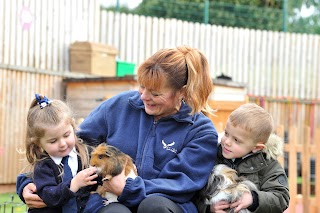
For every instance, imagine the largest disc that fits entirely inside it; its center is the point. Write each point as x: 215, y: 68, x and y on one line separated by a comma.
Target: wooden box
x: 84, y: 94
x: 93, y: 58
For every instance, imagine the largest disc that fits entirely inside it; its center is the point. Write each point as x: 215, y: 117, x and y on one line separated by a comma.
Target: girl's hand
x: 31, y: 198
x: 116, y: 184
x: 83, y: 178
x: 244, y: 202
x: 219, y: 207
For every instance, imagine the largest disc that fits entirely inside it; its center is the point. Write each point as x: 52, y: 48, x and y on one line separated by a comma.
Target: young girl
x: 50, y: 139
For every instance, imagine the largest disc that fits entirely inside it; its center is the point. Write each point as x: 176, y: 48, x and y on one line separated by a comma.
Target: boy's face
x: 237, y: 142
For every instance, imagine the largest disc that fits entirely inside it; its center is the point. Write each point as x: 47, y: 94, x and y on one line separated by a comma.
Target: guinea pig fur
x: 224, y: 184
x: 110, y: 161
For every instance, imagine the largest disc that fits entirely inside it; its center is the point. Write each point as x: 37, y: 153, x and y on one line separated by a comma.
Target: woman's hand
x: 116, y: 184
x: 219, y: 207
x: 31, y: 198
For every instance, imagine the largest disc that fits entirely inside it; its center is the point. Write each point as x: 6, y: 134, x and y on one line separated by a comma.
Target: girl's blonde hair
x: 181, y: 67
x: 253, y: 119
x: 39, y: 119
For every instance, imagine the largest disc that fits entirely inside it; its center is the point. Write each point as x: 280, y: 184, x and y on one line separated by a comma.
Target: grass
x: 10, y: 202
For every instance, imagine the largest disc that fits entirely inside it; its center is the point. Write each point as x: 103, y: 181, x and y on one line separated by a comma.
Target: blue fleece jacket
x: 173, y: 156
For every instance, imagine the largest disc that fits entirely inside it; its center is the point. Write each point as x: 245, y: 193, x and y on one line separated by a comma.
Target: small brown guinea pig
x: 110, y: 162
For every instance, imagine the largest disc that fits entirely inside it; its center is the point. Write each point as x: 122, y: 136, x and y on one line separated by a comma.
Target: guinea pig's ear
x: 108, y: 154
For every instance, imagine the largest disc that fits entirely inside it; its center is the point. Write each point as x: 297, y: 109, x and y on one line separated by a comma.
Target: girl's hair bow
x: 43, y: 102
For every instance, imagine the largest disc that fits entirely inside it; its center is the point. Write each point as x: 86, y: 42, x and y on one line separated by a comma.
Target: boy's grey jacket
x: 266, y: 172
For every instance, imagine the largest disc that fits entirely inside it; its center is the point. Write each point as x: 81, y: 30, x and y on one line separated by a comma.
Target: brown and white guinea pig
x: 224, y: 184
x: 110, y: 162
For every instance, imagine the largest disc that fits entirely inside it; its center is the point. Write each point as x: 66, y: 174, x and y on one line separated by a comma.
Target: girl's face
x: 236, y: 142
x: 161, y: 103
x: 59, y: 140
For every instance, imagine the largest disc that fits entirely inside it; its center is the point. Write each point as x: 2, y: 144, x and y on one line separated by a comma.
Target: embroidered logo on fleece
x: 169, y: 146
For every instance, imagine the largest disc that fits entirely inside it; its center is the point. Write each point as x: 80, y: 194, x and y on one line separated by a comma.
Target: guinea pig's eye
x: 100, y: 156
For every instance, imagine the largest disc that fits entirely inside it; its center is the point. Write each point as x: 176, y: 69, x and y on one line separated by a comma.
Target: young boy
x: 249, y: 147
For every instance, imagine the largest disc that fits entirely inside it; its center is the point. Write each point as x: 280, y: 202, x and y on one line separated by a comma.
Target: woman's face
x: 160, y: 103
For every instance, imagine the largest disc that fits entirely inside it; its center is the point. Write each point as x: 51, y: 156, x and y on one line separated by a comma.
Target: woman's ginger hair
x: 182, y: 67
x: 253, y: 119
x: 39, y: 120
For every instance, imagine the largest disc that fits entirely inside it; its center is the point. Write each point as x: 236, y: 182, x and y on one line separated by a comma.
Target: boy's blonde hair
x: 253, y: 119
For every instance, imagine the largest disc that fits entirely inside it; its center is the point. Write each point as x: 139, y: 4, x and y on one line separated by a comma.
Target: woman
x: 162, y: 127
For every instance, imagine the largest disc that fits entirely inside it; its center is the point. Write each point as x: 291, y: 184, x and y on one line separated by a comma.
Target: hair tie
x: 43, y: 102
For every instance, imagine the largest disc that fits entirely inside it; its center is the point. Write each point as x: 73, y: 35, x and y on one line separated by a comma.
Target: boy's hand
x: 31, y: 198
x: 84, y: 178
x: 244, y: 202
x: 219, y: 207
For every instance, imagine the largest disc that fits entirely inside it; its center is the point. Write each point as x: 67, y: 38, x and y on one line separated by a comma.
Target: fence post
x: 118, y: 6
x: 285, y: 15
x: 293, y: 168
x: 280, y: 133
x: 206, y: 12
x: 317, y: 177
x: 305, y: 173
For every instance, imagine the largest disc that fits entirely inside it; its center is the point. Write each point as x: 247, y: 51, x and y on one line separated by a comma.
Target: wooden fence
x: 272, y: 64
x: 304, y: 196
x: 281, y: 70
x: 298, y: 123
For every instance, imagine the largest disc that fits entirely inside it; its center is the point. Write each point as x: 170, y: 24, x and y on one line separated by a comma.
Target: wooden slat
x: 317, y: 160
x: 141, y: 39
x: 13, y: 32
x: 124, y: 31
x: 2, y: 8
x: 151, y: 35
x: 280, y: 133
x: 306, y: 168
x: 292, y: 169
x: 3, y: 118
x: 6, y: 36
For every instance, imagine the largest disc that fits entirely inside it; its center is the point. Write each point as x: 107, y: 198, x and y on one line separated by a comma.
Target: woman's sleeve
x: 181, y: 177
x: 22, y: 181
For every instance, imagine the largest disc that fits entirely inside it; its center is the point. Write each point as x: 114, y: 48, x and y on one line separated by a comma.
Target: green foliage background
x: 275, y: 15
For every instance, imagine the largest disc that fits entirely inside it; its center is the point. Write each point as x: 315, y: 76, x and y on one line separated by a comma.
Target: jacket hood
x: 273, y: 147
